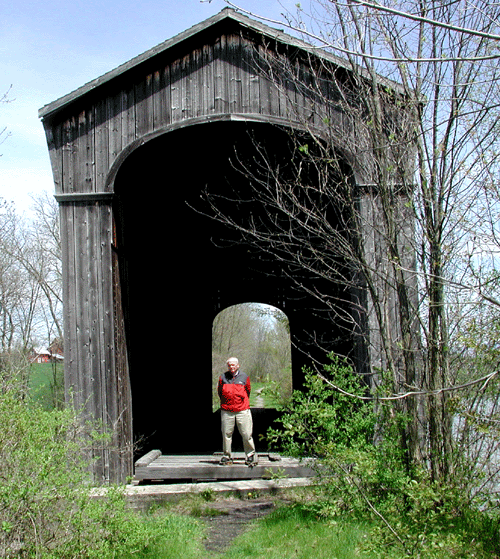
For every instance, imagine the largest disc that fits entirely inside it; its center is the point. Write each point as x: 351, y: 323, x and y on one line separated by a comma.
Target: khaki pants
x: 243, y: 420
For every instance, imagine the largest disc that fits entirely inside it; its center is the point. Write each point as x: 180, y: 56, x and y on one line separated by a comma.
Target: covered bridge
x: 145, y: 273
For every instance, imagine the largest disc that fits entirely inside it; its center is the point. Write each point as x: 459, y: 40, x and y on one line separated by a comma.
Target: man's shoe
x: 251, y: 461
x: 225, y: 461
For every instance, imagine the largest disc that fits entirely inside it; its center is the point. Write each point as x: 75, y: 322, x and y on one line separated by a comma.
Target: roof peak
x: 226, y: 13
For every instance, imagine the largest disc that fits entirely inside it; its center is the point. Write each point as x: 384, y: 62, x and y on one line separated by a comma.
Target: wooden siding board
x: 286, y: 92
x: 264, y: 88
x: 92, y: 311
x: 306, y: 104
x: 156, y: 93
x: 71, y: 380
x: 185, y: 85
x: 220, y: 76
x: 68, y: 154
x: 193, y: 92
x: 69, y: 252
x: 102, y: 151
x: 197, y: 83
x: 249, y: 78
x: 167, y: 118
x: 106, y: 334
x: 274, y: 97
x: 298, y: 93
x: 234, y: 74
x: 115, y: 140
x: 144, y: 106
x: 85, y: 152
x: 207, y: 76
x: 161, y: 98
x: 120, y: 370
x: 53, y: 135
x: 84, y: 263
x: 128, y: 116
x: 77, y: 285
x: 176, y: 90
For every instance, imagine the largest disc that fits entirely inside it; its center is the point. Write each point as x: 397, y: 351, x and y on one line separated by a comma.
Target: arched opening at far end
x: 259, y: 336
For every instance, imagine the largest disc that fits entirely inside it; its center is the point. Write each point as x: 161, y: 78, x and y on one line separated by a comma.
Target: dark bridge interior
x: 179, y: 268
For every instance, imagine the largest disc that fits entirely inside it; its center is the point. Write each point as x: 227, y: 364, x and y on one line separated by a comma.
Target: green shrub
x: 367, y: 482
x: 318, y: 419
x: 46, y: 508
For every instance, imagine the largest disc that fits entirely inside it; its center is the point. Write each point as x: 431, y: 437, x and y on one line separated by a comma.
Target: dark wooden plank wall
x: 213, y: 79
x: 218, y: 78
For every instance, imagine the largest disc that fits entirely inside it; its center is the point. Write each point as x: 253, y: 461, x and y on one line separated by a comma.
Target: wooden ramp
x: 155, y: 467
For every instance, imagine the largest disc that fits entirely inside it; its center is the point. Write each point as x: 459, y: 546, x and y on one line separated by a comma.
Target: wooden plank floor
x: 157, y: 467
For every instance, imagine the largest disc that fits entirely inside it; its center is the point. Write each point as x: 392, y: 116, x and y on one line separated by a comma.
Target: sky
x: 49, y: 49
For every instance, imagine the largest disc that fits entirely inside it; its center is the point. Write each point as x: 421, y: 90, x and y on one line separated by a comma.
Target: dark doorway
x: 179, y: 268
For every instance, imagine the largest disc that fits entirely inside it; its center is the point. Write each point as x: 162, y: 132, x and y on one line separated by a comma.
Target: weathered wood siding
x: 214, y: 72
x: 88, y: 139
x: 225, y: 78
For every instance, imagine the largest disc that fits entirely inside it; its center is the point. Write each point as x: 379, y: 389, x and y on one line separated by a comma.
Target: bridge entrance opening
x: 179, y: 269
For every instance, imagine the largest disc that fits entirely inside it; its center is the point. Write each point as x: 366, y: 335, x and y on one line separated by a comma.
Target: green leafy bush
x: 318, y: 419
x: 365, y: 478
x: 46, y: 505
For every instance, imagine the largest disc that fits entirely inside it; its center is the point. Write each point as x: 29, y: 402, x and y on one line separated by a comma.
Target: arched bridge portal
x: 179, y: 268
x: 145, y: 269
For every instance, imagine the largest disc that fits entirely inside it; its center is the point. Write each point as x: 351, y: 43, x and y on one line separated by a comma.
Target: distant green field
x: 46, y: 383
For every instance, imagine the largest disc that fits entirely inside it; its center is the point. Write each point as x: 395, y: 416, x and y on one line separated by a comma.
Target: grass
x: 291, y: 532
x: 270, y: 399
x: 46, y: 383
x: 178, y: 537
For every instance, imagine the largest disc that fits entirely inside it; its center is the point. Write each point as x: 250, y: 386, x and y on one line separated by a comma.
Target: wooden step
x: 155, y: 466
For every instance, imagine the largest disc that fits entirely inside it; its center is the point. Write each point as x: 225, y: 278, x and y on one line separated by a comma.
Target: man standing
x: 234, y: 393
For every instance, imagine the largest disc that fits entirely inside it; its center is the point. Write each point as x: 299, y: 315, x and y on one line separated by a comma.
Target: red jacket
x: 234, y: 392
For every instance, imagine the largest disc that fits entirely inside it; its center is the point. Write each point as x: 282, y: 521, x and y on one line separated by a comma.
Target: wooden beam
x: 89, y: 197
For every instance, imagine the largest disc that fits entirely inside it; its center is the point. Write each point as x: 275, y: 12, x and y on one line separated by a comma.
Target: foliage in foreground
x: 367, y: 505
x: 363, y: 481
x: 46, y: 508
x: 305, y: 529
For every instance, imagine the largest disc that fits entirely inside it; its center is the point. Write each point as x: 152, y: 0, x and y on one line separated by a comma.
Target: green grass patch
x: 293, y: 532
x: 46, y: 384
x: 267, y: 392
x: 299, y: 531
x: 256, y: 393
x: 288, y: 532
x: 176, y: 536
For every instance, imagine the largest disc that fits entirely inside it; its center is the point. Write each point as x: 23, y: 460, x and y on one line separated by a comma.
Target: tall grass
x: 176, y: 537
